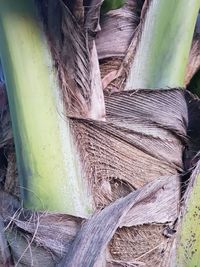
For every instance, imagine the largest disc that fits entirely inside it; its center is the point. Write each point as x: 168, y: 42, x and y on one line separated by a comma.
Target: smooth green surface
x: 111, y: 4
x: 162, y: 54
x: 188, y: 251
x: 49, y: 174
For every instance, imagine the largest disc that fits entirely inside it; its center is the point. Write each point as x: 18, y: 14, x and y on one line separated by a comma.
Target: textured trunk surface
x: 135, y: 150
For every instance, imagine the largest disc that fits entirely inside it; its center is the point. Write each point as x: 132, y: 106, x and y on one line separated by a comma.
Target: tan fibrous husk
x: 43, y: 238
x: 121, y: 25
x: 113, y: 153
x: 74, y: 53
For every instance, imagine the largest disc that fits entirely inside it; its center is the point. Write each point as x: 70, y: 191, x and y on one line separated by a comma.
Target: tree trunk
x: 133, y: 153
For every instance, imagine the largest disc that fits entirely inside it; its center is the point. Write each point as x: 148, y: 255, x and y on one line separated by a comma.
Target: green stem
x: 111, y: 4
x: 188, y: 246
x: 163, y: 49
x: 49, y: 172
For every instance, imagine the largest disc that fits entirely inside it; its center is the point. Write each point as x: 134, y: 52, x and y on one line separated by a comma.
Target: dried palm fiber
x: 120, y: 25
x: 119, y: 157
x: 113, y: 152
x: 133, y: 135
x: 75, y: 57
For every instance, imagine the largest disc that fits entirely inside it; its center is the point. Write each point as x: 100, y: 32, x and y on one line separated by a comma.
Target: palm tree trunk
x: 131, y: 157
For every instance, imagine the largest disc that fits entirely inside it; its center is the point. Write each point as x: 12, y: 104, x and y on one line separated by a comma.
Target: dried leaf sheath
x: 112, y: 177
x: 114, y: 151
x: 76, y: 60
x: 43, y: 226
x: 102, y: 225
x: 119, y: 25
x: 143, y: 128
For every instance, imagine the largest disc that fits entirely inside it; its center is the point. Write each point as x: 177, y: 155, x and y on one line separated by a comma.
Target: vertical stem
x: 163, y: 49
x: 49, y: 172
x: 188, y: 246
